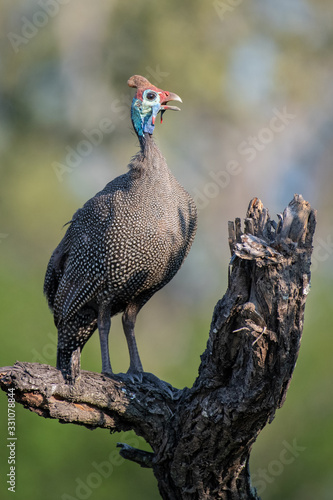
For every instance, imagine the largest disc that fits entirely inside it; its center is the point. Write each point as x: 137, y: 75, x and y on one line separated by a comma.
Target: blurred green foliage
x: 64, y: 67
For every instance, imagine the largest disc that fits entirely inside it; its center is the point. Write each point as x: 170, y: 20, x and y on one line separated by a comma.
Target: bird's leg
x: 104, y: 324
x: 128, y: 319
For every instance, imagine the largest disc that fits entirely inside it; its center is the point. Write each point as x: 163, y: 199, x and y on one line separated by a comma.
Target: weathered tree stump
x: 202, y: 437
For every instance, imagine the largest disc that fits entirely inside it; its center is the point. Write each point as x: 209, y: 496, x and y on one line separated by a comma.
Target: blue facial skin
x: 148, y: 126
x: 143, y: 112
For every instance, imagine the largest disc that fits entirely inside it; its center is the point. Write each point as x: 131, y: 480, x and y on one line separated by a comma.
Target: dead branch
x: 202, y: 437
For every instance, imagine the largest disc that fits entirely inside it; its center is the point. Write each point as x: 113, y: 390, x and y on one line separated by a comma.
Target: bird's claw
x: 138, y: 377
x: 135, y: 376
x: 164, y: 387
x: 131, y: 376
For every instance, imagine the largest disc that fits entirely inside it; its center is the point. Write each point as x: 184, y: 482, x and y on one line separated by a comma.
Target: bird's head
x: 147, y: 102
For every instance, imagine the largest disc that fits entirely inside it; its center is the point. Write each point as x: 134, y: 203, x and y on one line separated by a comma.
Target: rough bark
x: 202, y: 437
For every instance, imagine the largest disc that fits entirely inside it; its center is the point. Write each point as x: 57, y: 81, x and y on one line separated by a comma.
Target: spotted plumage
x: 122, y: 246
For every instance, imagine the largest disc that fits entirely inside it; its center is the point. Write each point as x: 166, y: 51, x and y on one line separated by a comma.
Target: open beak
x: 170, y: 96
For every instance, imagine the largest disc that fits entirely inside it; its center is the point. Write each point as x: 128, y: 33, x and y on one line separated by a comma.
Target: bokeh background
x: 257, y: 120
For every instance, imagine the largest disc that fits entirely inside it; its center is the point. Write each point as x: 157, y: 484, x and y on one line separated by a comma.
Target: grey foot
x: 133, y: 376
x: 164, y: 387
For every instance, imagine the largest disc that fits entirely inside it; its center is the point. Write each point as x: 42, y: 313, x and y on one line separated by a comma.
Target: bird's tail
x: 73, y: 333
x: 68, y: 362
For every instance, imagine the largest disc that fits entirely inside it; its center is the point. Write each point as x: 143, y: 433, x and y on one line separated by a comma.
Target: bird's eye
x: 151, y: 96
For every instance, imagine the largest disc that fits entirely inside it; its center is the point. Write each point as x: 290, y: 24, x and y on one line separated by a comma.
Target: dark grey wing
x: 54, y: 273
x: 76, y: 272
x: 79, y: 283
x: 55, y: 268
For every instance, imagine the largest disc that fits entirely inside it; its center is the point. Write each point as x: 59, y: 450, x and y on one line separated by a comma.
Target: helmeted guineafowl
x: 123, y: 245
